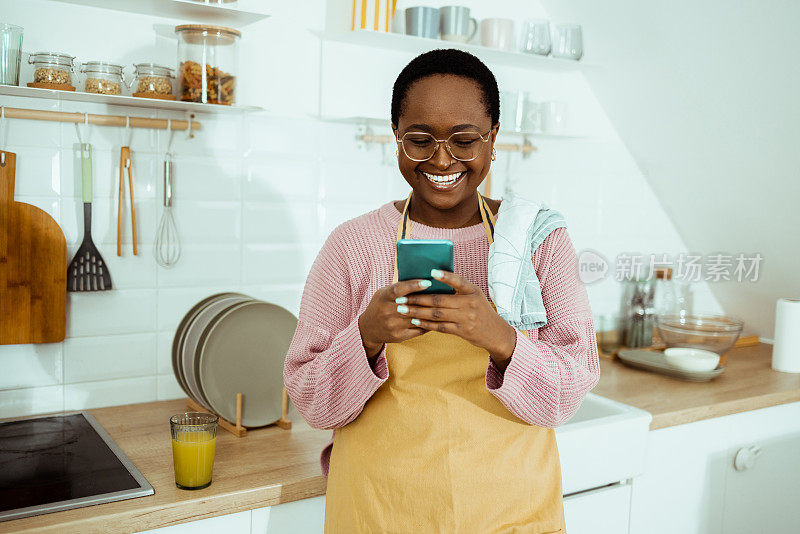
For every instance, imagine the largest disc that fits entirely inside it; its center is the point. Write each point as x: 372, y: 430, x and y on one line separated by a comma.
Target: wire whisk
x: 167, y: 246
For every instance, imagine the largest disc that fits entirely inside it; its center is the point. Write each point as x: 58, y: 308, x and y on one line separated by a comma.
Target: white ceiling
x: 706, y: 96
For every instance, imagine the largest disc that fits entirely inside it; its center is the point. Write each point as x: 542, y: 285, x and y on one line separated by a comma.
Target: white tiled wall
x: 255, y: 196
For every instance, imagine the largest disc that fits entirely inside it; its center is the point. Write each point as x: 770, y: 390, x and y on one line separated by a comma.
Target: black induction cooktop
x: 57, y: 462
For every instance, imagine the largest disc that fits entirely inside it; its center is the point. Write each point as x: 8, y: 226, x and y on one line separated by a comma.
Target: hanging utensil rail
x: 100, y: 120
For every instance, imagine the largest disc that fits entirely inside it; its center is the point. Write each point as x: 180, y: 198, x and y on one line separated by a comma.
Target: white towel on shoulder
x: 521, y: 227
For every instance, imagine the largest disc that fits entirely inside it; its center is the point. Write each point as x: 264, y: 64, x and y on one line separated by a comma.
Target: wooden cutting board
x: 33, y: 268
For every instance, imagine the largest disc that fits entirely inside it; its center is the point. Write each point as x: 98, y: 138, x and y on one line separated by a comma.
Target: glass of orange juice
x: 194, y: 440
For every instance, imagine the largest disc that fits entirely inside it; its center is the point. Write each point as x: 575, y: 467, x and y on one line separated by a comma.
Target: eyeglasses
x: 463, y: 146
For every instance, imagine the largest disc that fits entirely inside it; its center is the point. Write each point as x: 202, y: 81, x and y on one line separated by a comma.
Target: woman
x: 443, y: 413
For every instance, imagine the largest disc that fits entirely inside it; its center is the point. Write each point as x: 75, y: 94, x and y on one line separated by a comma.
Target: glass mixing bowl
x: 716, y: 333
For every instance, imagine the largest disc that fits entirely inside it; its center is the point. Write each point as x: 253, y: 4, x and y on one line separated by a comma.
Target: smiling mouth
x: 444, y: 180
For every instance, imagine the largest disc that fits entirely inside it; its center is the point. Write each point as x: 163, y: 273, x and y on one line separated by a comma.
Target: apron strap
x: 488, y: 218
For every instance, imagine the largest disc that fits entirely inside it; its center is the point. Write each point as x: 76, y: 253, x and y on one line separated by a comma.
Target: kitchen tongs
x: 125, y: 163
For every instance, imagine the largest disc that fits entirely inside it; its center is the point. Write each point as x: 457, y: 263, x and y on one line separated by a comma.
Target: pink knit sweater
x: 327, y: 373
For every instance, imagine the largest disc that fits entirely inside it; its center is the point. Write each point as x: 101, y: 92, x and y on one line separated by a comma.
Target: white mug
x: 497, y: 33
x: 553, y: 117
x: 456, y: 24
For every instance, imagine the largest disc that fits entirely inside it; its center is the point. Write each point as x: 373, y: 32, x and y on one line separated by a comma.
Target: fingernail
x: 400, y: 300
x: 402, y: 309
x: 424, y: 283
x: 415, y: 322
x: 436, y: 273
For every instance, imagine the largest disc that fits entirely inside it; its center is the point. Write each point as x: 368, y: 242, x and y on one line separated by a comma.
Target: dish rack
x: 235, y: 427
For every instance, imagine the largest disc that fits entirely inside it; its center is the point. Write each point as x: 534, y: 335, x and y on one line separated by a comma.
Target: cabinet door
x: 600, y: 511
x: 763, y: 493
x: 682, y: 487
x: 691, y: 486
x: 306, y: 516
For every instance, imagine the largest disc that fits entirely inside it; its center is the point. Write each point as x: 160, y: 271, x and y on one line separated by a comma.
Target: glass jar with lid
x: 102, y: 78
x: 153, y: 81
x: 52, y: 70
x: 207, y: 63
x: 637, y: 311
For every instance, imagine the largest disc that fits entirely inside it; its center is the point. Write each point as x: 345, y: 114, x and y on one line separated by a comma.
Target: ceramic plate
x: 177, y: 340
x: 193, y: 334
x: 243, y: 350
x: 653, y: 360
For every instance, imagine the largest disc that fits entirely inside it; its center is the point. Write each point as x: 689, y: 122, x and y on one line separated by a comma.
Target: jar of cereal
x: 102, y: 78
x: 153, y: 81
x: 52, y: 70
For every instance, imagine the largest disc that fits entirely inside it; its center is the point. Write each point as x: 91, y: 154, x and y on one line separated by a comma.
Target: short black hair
x: 447, y: 61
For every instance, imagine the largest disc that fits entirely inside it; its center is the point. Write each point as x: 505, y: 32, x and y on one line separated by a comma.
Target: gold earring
x: 494, y: 154
x: 396, y: 152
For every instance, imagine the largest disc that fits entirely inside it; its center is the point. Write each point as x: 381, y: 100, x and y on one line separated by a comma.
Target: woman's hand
x: 381, y: 323
x: 466, y: 314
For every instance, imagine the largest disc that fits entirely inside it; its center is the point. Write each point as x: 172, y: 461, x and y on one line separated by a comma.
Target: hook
x: 191, y: 134
x: 171, y: 135
x: 88, y: 127
x: 128, y: 131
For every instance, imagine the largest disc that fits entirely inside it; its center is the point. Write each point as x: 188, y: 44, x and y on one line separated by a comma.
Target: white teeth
x: 447, y: 179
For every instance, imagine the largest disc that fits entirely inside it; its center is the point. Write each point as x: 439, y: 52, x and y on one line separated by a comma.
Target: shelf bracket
x: 364, y: 137
x: 527, y: 148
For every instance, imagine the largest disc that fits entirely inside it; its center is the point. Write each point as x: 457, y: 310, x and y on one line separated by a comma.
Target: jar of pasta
x: 52, y: 70
x: 153, y: 81
x: 207, y: 63
x: 102, y: 78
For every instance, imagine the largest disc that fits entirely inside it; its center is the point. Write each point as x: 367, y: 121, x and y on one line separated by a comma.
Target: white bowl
x: 696, y: 360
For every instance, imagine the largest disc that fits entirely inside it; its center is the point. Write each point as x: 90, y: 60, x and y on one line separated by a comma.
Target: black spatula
x: 87, y: 271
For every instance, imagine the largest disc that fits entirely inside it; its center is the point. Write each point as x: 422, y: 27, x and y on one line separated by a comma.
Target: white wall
x: 255, y: 195
x: 704, y: 95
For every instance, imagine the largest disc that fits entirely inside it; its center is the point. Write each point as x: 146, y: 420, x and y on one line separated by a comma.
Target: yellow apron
x: 434, y: 451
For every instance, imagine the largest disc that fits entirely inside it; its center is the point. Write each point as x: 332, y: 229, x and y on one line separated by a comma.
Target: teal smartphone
x: 416, y: 258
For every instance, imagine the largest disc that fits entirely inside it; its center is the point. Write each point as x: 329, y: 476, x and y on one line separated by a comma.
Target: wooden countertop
x: 268, y: 466
x: 748, y: 383
x: 271, y: 466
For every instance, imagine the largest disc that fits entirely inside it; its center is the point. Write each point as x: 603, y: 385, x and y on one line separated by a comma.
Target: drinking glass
x: 535, y: 37
x: 194, y: 441
x: 552, y: 117
x: 567, y: 41
x: 531, y: 116
x: 512, y: 109
x: 609, y: 327
x: 10, y: 53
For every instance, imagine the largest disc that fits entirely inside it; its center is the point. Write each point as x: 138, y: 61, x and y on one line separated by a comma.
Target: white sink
x: 603, y: 443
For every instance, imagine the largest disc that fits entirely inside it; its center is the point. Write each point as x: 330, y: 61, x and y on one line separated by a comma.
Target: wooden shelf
x: 118, y: 100
x: 416, y: 45
x: 539, y: 135
x: 190, y: 10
